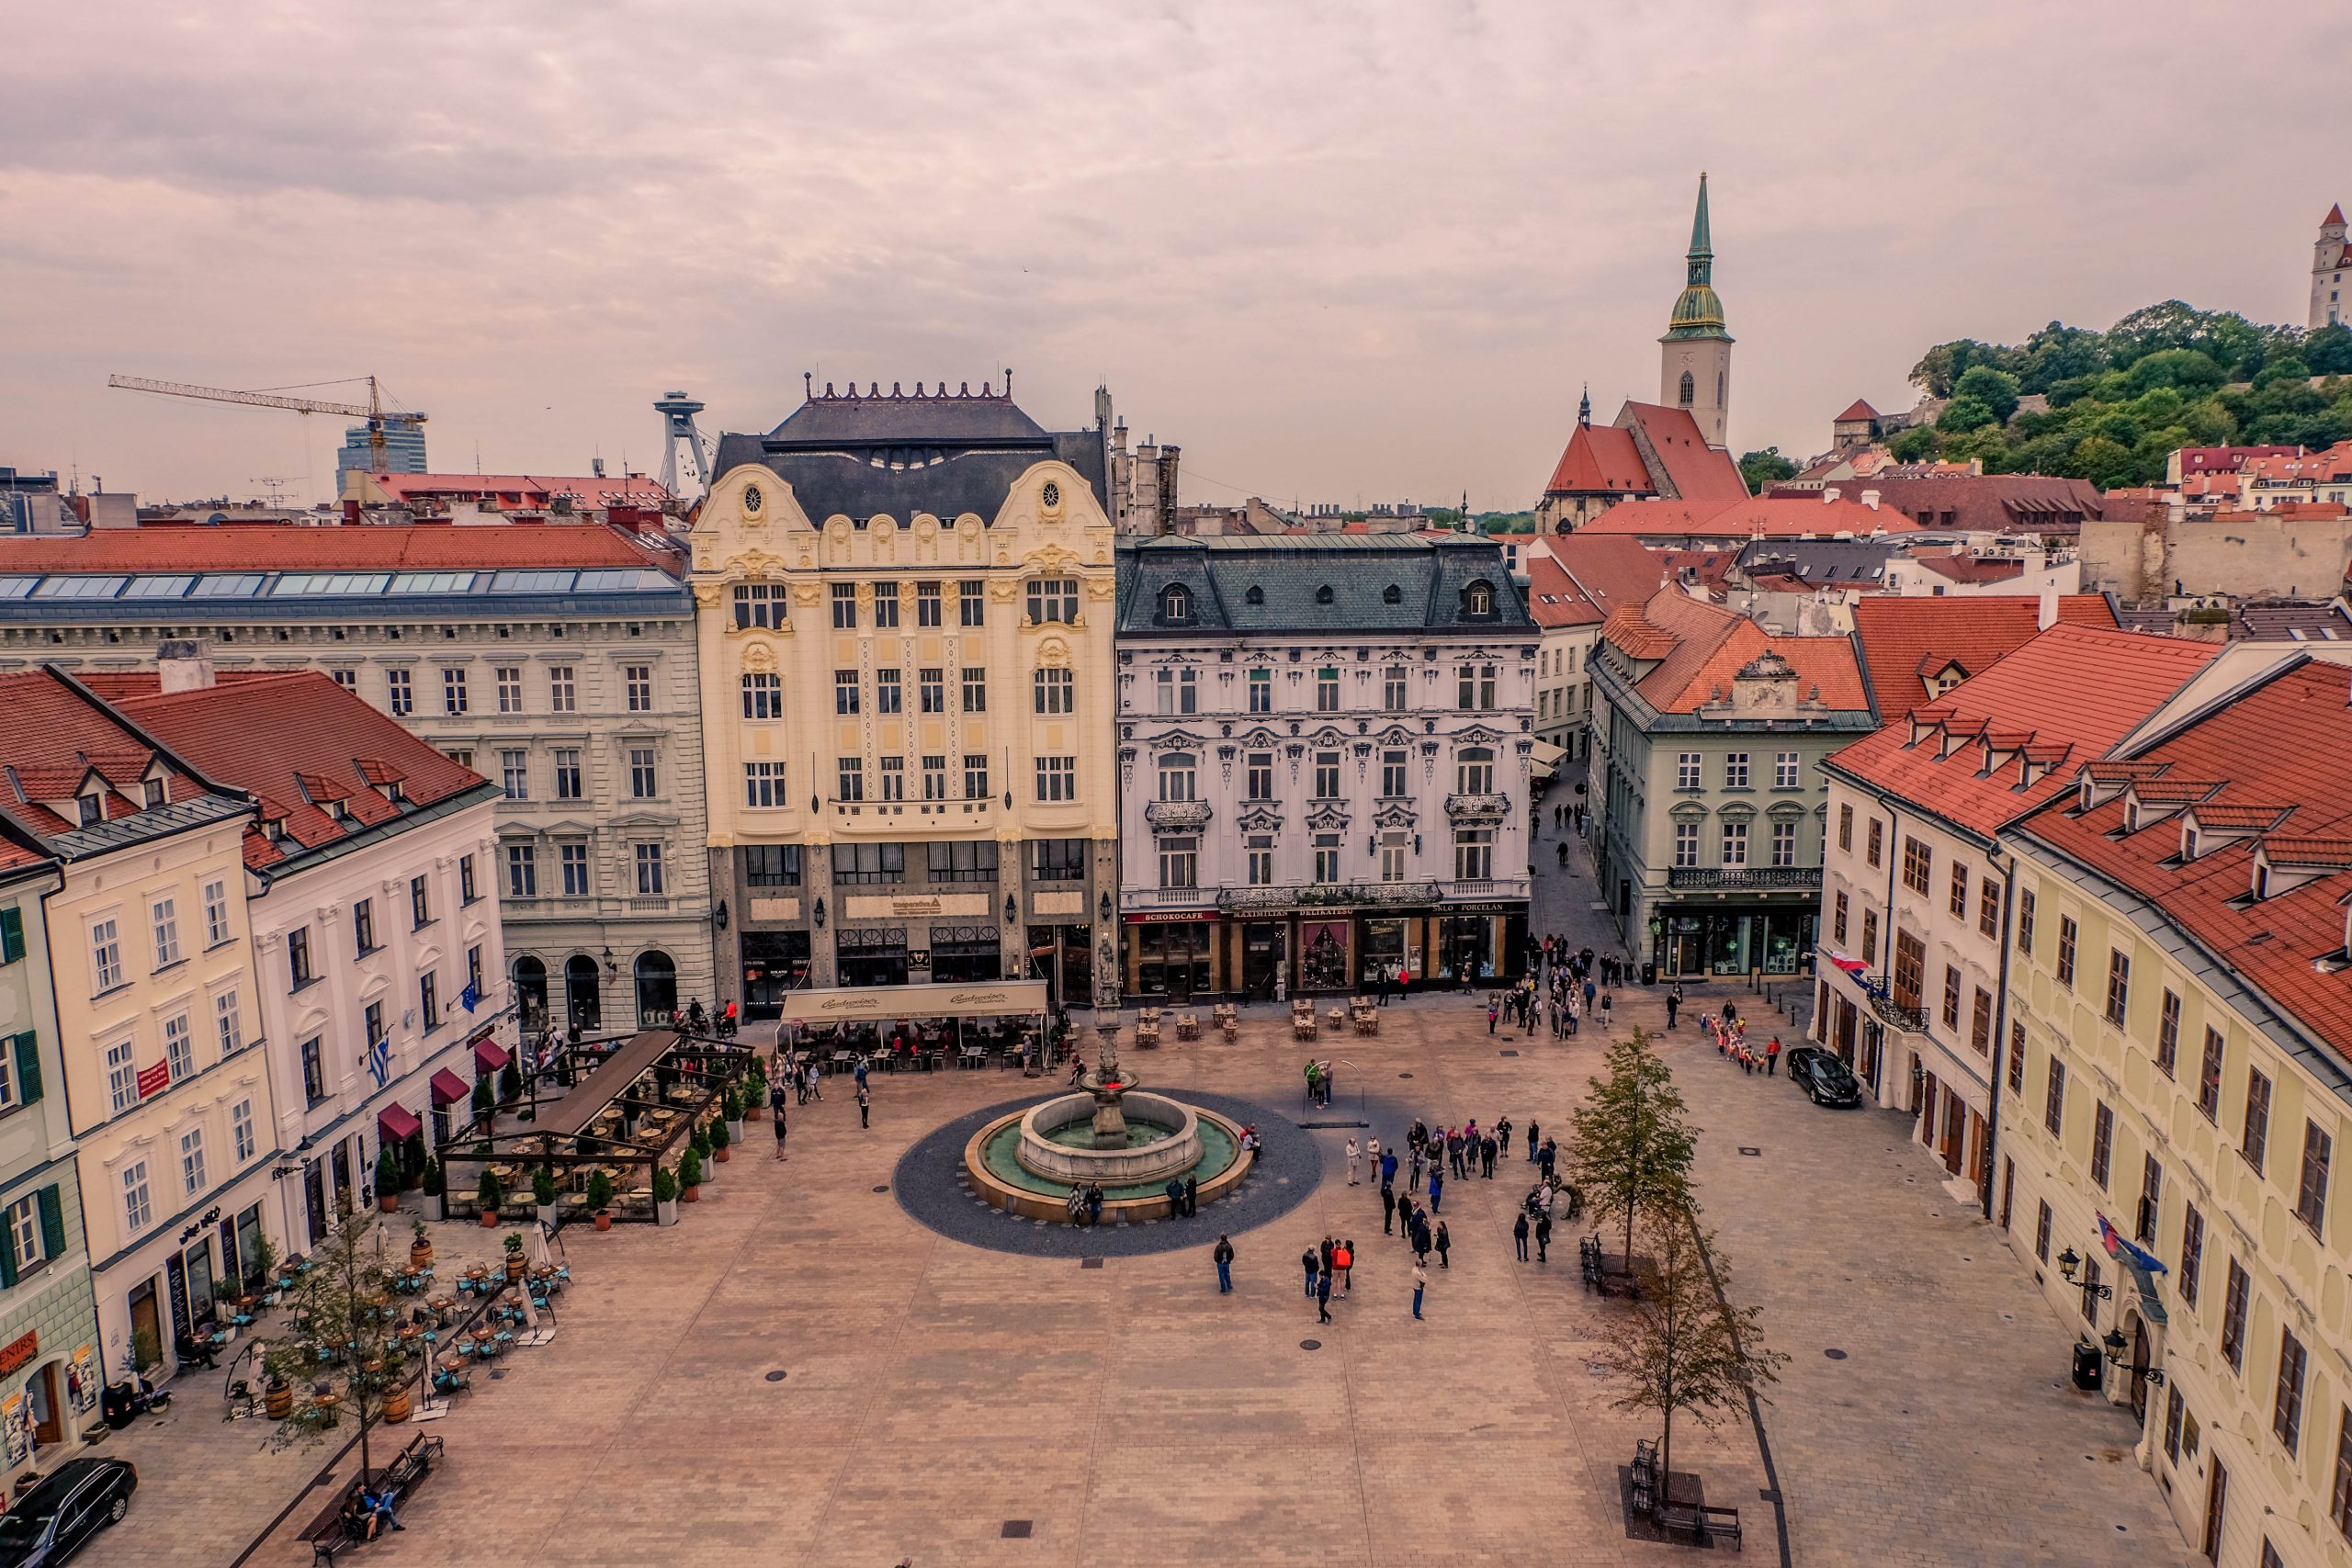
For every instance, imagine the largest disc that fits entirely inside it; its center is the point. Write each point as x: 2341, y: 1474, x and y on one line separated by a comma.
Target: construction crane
x: 373, y: 410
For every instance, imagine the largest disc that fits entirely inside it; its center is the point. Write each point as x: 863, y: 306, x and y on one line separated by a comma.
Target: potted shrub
x: 665, y: 1196
x: 488, y: 1196
x: 734, y: 1115
x: 515, y: 1260
x: 485, y: 1102
x: 720, y: 1138
x: 413, y: 1158
x: 261, y: 1279
x: 543, y: 1192
x: 510, y: 1082
x: 755, y: 1091
x: 600, y: 1199
x: 387, y: 1179
x: 701, y: 1145
x: 436, y: 1186
x: 420, y: 1248
x: 690, y: 1176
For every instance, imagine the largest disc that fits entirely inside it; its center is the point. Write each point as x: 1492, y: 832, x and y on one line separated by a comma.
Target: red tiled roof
x: 297, y: 739
x: 1554, y: 601
x: 1702, y: 475
x: 357, y: 547
x: 2285, y: 741
x: 2069, y: 693
x: 15, y: 857
x: 1600, y: 459
x: 1701, y: 649
x: 2335, y: 215
x: 1608, y: 571
x: 2226, y: 459
x: 1748, y: 517
x: 54, y: 739
x: 2330, y: 465
x: 1858, y: 409
x: 1904, y: 640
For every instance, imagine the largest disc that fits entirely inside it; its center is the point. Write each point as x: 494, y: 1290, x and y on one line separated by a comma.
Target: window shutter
x: 28, y: 1047
x: 12, y: 934
x: 8, y: 1256
x: 53, y: 1224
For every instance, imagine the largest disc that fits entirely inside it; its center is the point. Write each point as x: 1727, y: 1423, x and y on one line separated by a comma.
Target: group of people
x: 1729, y: 1032
x: 1319, y: 1081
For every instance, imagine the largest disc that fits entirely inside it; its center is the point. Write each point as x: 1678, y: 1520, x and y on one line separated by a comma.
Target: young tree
x: 1628, y: 1149
x: 1682, y: 1347
x: 341, y: 1333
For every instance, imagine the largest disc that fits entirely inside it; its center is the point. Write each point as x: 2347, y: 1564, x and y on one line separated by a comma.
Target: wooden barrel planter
x: 396, y: 1402
x: 277, y: 1401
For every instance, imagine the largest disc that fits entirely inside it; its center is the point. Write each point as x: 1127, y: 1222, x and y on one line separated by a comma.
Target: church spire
x: 1697, y: 314
x: 1583, y: 405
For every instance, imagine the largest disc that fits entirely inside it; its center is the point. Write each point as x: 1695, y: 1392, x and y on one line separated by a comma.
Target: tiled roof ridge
x: 2333, y: 850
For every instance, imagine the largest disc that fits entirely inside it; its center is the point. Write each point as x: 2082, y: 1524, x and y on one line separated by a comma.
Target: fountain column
x: 1105, y: 1084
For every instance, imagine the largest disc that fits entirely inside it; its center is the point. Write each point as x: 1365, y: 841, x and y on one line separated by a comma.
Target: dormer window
x: 2086, y: 801
x: 1256, y: 595
x: 1324, y: 596
x: 1479, y: 599
x: 2132, y: 817
x: 2187, y: 842
x: 1176, y: 604
x: 2261, y: 881
x: 152, y: 792
x: 1392, y: 594
x: 393, y: 792
x: 92, y: 809
x: 274, y: 830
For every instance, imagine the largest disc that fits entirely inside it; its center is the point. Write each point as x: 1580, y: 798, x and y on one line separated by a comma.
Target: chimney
x: 2047, y: 613
x: 1869, y: 499
x: 183, y: 666
x: 1828, y: 495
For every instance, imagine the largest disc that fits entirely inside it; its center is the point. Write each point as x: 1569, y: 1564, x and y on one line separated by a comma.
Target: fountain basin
x: 998, y: 1175
x: 1170, y: 1141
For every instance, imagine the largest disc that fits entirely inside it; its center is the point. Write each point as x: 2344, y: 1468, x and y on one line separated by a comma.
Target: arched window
x: 1175, y: 603
x: 1256, y: 595
x: 1392, y: 594
x: 583, y: 1005
x: 531, y: 991
x: 657, y: 988
x: 1475, y: 771
x: 762, y: 696
x: 1689, y: 389
x: 1178, y: 777
x: 1478, y: 598
x: 1324, y: 596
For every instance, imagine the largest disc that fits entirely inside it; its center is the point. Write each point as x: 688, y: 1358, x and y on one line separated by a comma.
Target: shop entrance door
x: 146, y: 1323
x: 1262, y: 956
x: 48, y: 1427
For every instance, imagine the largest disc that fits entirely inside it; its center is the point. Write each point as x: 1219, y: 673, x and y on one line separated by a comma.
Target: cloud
x: 1337, y: 251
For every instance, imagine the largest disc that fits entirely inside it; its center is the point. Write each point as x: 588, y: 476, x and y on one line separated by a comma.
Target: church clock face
x: 1053, y: 492
x: 751, y: 498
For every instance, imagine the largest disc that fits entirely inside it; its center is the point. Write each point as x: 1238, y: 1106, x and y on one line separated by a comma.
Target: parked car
x: 50, y: 1523
x: 1825, y: 1079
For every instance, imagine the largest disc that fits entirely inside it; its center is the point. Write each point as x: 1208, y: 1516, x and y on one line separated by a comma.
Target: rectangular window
x: 846, y: 692
x: 217, y: 928
x: 2066, y: 933
x: 2234, y: 1303
x: 420, y: 903
x: 2192, y: 1252
x: 428, y: 1001
x: 1052, y: 600
x: 106, y: 957
x: 2091, y: 1292
x: 1327, y: 690
x: 1474, y: 853
x: 931, y: 690
x: 2286, y: 1401
x: 1686, y: 770
x: 1257, y: 776
x: 2054, y: 1100
x: 562, y: 689
x: 1918, y: 860
x: 2339, y: 1507
x: 1980, y: 1021
x: 2017, y: 1058
x: 2102, y: 1142
x: 1059, y: 860
x: 2209, y: 1076
x: 122, y: 1075
x: 1056, y: 691
x: 1393, y: 690
x: 1392, y: 785
x: 400, y: 692
x: 299, y: 972
x: 2168, y: 1033
x: 2256, y: 1140
x: 571, y: 860
x: 1180, y: 858
x: 1057, y: 778
x: 1959, y: 903
x: 1837, y: 908
x: 1950, y: 1011
x: 522, y: 872
x: 772, y: 866
x: 371, y: 1024
x: 1784, y: 843
x: 2150, y: 1210
x: 179, y: 1047
x: 850, y: 778
x: 2025, y: 921
x: 1261, y: 849
x: 1735, y: 843
x: 927, y: 605
x: 886, y: 606
x: 763, y: 696
x: 1179, y: 778
x: 976, y: 689
x: 347, y: 677
x: 138, y: 1205
x: 2119, y: 986
x: 1686, y: 844
x: 887, y: 697
x: 1393, y: 849
x: 567, y: 773
x: 1735, y: 770
x: 453, y: 689
x: 1326, y: 775
x: 514, y: 773
x: 763, y: 785
x: 508, y: 679
x: 466, y: 890
x: 2042, y: 1233
x: 1846, y: 829
x: 1785, y: 771
x: 192, y: 1160
x: 2311, y: 1192
x: 971, y: 601
x: 1869, y: 936
x: 894, y: 778
x: 844, y: 600
x: 651, y: 884
x: 229, y: 1023
x: 163, y: 915
x: 1877, y: 842
x: 975, y: 775
x: 1326, y: 858
x: 1988, y: 910
x: 644, y: 780
x: 869, y: 864
x: 241, y: 1129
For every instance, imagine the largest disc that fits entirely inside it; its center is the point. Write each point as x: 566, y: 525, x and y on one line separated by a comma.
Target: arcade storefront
x: 1174, y: 957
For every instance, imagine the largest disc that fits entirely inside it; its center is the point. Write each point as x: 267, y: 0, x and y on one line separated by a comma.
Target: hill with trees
x: 2121, y: 401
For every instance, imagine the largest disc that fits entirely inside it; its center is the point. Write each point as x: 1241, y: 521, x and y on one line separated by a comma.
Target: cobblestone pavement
x: 937, y: 1396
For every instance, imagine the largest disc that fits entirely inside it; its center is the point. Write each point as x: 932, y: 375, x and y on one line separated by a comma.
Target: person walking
x: 1421, y: 1236
x: 1387, y: 1166
x: 1771, y: 1056
x: 1551, y: 1159
x: 1487, y: 1150
x: 1323, y: 1296
x: 1607, y: 1001
x: 1343, y: 1262
x: 1519, y: 1234
x: 1534, y: 1130
x: 1502, y: 1135
x: 1543, y: 1238
x: 1437, y: 1190
x: 776, y: 1114
x: 1673, y: 1004
x: 1352, y: 1162
x: 1192, y: 1196
x: 1420, y: 1283
x: 865, y: 1104
x: 861, y: 1072
x: 1494, y: 1010
x: 1223, y: 1255
x: 1309, y: 1261
x: 1387, y: 1207
x: 1444, y: 1244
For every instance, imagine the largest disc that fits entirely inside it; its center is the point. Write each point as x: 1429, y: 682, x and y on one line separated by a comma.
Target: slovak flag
x: 469, y: 997
x: 380, y: 1061
x: 2117, y: 1244
x: 1840, y: 960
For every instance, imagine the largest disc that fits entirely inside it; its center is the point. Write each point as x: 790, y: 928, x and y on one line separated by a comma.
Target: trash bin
x: 1649, y: 974
x: 2089, y: 1367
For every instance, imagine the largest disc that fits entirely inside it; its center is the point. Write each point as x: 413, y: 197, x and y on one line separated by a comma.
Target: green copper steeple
x: 1697, y: 314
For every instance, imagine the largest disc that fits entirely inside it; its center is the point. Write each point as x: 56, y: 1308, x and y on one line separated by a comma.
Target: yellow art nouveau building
x: 904, y: 607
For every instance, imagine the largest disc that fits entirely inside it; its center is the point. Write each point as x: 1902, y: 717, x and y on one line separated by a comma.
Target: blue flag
x: 470, y: 996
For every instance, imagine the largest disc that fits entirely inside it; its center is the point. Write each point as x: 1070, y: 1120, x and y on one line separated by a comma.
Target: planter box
x: 666, y: 1214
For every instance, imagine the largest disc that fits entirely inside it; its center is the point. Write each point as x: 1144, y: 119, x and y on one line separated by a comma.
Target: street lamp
x: 2092, y: 1290
x: 817, y: 913
x: 1011, y: 909
x: 2114, y: 1344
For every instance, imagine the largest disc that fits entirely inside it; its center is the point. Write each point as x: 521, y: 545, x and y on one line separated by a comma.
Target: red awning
x: 491, y: 1055
x: 449, y: 1088
x: 398, y: 1125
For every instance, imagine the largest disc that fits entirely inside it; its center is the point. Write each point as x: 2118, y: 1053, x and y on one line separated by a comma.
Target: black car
x: 50, y: 1523
x: 1825, y: 1079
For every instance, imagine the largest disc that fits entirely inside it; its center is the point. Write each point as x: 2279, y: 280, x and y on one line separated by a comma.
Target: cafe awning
x: 1544, y: 758
x: 397, y: 1123
x: 874, y: 1004
x: 611, y: 1078
x: 448, y: 1088
x: 491, y: 1055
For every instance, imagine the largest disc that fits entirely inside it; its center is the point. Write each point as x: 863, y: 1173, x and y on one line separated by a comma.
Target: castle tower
x: 2330, y: 262
x: 1694, y: 364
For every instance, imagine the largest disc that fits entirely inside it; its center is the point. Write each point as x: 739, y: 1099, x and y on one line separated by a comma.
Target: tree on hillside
x: 1767, y: 466
x: 1629, y: 1150
x: 1682, y: 1347
x: 1997, y: 390
x: 1916, y: 444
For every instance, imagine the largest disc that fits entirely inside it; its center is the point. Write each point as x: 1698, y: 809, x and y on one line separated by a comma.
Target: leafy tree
x: 1628, y: 1149
x: 1997, y: 390
x: 2103, y: 461
x: 1767, y: 466
x: 2328, y: 351
x: 1682, y: 1347
x: 1916, y: 444
x: 2185, y: 368
x: 341, y: 1335
x: 1963, y: 414
x: 2058, y: 353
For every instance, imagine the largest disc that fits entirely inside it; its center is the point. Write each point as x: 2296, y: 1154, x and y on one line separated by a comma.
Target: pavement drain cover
x: 1506, y: 1053
x: 1017, y: 1530
x: 1089, y: 1263
x: 886, y: 1187
x: 1310, y: 1344
x: 775, y: 1377
x: 496, y: 1373
x: 1835, y: 1354
x: 1751, y: 1153
x: 1404, y: 1075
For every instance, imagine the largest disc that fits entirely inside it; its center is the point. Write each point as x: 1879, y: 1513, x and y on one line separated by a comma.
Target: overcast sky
x: 1337, y: 251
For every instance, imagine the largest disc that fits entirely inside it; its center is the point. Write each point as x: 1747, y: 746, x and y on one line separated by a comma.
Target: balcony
x: 1167, y: 897
x: 1474, y: 809
x: 1485, y: 888
x: 1310, y: 895
x: 1746, y: 879
x: 1170, y: 816
x: 1896, y: 1015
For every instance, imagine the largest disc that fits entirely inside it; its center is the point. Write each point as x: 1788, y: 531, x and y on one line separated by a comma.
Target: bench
x: 331, y: 1532
x: 1703, y: 1522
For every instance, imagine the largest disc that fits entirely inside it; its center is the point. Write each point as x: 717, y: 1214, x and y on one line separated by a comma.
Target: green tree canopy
x: 1629, y: 1149
x: 1997, y: 390
x: 1767, y: 466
